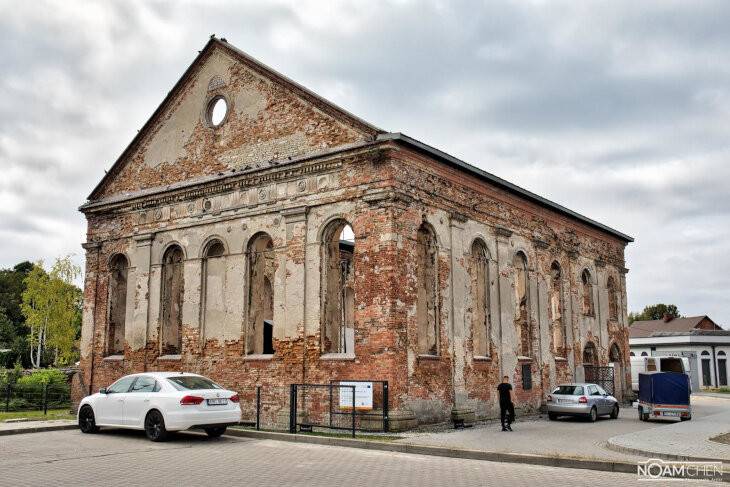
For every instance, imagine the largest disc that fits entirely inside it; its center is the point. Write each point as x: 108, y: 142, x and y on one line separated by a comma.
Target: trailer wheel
x: 643, y: 416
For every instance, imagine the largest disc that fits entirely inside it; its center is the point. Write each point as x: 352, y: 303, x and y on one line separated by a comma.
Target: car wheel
x: 614, y: 412
x: 593, y: 415
x: 552, y: 416
x: 215, y: 431
x: 87, y: 421
x: 154, y: 426
x: 685, y: 418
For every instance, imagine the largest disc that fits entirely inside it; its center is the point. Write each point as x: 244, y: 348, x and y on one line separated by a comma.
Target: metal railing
x: 312, y: 406
x: 35, y: 397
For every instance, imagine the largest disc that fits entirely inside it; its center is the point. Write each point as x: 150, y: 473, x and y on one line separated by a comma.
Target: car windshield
x: 569, y: 390
x: 188, y: 382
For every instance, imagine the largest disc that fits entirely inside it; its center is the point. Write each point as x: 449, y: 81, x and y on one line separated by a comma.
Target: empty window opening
x: 590, y: 356
x: 213, y: 287
x: 261, y: 270
x: 426, y: 311
x: 587, y: 293
x: 522, y: 311
x: 117, y: 304
x: 338, y: 296
x: 555, y: 308
x: 612, y: 299
x: 217, y: 111
x: 480, y: 299
x: 173, y: 288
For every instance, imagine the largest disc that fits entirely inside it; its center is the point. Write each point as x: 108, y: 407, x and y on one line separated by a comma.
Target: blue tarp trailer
x: 664, y: 395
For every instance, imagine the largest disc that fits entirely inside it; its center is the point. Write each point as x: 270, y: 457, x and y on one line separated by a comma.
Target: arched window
x: 614, y: 355
x: 173, y: 288
x: 721, y: 368
x: 590, y: 357
x: 338, y: 288
x: 117, y: 304
x: 644, y: 354
x: 706, y: 368
x: 612, y: 299
x: 426, y: 307
x: 588, y: 309
x: 632, y: 354
x: 213, y: 288
x: 480, y: 321
x: 261, y: 270
x: 555, y: 308
x: 522, y: 303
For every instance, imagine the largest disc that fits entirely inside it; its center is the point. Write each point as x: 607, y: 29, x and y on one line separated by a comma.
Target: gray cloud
x: 619, y: 110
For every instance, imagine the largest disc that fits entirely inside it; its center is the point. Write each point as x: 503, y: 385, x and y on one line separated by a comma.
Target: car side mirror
x: 102, y: 390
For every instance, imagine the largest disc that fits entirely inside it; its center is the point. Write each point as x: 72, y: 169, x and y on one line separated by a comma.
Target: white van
x: 657, y: 364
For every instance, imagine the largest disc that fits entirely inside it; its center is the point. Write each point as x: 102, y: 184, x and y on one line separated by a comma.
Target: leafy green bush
x: 43, y: 376
x: 11, y: 376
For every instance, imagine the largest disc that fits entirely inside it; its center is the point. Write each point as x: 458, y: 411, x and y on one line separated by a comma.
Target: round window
x: 217, y: 110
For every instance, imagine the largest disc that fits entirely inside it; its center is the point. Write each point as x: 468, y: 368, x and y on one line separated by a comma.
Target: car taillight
x: 582, y: 399
x: 550, y: 398
x: 191, y: 400
x: 234, y: 398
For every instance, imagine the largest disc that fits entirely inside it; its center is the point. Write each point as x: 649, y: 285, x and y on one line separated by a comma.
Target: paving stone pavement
x: 128, y: 458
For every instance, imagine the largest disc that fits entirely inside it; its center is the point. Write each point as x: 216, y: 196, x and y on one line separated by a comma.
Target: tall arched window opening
x: 173, y: 288
x: 555, y: 308
x: 261, y: 270
x: 587, y: 283
x: 612, y: 299
x: 213, y: 288
x: 522, y: 311
x: 338, y: 288
x: 480, y: 299
x: 426, y: 306
x: 118, y: 271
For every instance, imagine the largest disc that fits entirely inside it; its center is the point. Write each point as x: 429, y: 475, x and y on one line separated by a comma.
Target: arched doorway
x: 590, y: 357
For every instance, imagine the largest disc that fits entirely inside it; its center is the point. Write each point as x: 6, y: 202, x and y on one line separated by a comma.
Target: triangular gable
x: 269, y: 117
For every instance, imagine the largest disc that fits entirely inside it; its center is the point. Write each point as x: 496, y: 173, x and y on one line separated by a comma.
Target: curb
x: 38, y: 429
x: 562, y: 462
x: 664, y: 456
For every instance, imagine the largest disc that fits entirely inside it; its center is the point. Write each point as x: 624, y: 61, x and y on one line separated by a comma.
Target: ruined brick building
x: 256, y: 233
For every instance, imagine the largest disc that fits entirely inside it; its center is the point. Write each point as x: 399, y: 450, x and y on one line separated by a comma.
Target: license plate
x: 670, y: 413
x: 563, y: 401
x: 221, y: 401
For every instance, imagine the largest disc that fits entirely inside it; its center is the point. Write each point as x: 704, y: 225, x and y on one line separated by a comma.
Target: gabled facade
x: 281, y: 239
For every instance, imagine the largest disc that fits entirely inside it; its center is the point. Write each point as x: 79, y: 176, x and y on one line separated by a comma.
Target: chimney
x: 667, y: 318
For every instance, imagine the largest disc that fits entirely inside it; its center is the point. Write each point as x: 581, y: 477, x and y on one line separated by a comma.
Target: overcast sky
x: 618, y: 110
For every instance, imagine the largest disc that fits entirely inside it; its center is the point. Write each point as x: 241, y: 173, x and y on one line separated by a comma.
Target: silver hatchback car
x: 581, y: 399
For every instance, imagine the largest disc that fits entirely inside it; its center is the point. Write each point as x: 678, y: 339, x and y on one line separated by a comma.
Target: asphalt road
x: 128, y: 458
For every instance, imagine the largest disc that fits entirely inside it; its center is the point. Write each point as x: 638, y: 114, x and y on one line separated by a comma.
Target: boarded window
x: 338, y: 288
x: 555, y: 308
x: 117, y: 304
x: 173, y: 288
x: 587, y: 293
x: 426, y: 312
x: 261, y: 270
x: 480, y: 299
x: 522, y: 312
x: 526, y: 377
x: 213, y: 302
x: 612, y: 298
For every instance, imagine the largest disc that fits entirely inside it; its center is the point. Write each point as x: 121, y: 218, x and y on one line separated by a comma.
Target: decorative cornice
x: 386, y: 196
x: 540, y: 244
x: 91, y: 246
x: 600, y: 263
x: 503, y: 232
x: 458, y: 219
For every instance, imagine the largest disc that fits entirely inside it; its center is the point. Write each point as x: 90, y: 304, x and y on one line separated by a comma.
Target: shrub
x: 43, y: 376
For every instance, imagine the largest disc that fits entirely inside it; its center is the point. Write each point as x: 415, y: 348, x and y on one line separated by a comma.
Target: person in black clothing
x: 506, y: 407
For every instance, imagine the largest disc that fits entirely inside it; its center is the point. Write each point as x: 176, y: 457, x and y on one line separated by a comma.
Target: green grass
x: 37, y: 415
x: 721, y: 390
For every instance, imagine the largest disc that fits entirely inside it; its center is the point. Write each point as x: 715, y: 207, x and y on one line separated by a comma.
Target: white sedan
x: 159, y: 402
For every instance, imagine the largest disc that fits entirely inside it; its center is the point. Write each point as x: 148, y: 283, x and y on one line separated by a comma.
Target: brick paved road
x: 127, y: 458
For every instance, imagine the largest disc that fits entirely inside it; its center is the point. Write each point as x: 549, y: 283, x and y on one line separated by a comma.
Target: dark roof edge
x: 214, y: 40
x: 497, y: 181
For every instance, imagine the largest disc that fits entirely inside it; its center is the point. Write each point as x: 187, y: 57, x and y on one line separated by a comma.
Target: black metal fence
x: 35, y: 397
x: 601, y: 375
x: 330, y: 406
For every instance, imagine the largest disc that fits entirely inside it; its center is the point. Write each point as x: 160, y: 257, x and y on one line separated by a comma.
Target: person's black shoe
x: 504, y: 428
x: 509, y: 428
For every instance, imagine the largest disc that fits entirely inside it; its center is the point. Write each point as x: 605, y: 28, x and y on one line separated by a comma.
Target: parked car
x: 159, y: 402
x: 581, y: 399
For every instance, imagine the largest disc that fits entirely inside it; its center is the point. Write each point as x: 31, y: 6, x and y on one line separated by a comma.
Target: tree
x: 52, y: 310
x: 13, y: 332
x: 655, y: 312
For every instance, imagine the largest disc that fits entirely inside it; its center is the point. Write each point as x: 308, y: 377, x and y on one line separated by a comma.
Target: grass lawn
x: 722, y: 390
x: 37, y: 415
